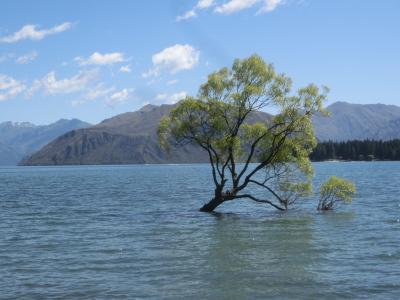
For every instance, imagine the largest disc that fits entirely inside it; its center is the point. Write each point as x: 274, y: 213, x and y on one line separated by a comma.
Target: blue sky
x: 94, y: 59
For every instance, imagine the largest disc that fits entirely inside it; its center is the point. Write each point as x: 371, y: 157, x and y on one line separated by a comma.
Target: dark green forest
x: 357, y: 150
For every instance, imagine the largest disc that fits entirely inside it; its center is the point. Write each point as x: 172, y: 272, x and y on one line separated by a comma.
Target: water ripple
x: 134, y: 232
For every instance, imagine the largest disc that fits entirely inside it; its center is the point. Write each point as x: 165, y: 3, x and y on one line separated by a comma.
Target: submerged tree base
x: 210, y: 206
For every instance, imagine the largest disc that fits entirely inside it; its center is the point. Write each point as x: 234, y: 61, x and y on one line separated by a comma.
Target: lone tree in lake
x: 272, y: 155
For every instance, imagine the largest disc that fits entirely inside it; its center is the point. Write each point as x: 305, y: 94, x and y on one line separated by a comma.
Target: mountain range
x: 17, y: 140
x: 131, y: 137
x: 359, y: 122
x: 124, y: 139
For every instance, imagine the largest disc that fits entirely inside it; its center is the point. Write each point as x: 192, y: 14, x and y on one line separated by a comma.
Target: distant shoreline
x: 182, y: 164
x: 351, y: 160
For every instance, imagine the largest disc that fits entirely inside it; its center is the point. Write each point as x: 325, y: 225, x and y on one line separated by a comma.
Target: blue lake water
x: 134, y: 232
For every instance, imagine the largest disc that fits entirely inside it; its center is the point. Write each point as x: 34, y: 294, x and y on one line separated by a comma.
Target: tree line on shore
x: 361, y: 150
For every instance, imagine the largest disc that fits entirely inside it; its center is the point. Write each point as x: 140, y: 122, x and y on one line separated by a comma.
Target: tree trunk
x: 216, y: 201
x: 213, y: 204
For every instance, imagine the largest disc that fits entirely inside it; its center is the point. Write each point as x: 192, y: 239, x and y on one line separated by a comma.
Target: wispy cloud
x: 173, y: 60
x: 125, y: 69
x: 31, y: 32
x: 101, y: 59
x: 270, y: 5
x: 172, y: 82
x: 120, y: 96
x: 170, y: 98
x: 201, y: 4
x: 26, y: 58
x: 77, y: 83
x: 233, y: 6
x: 10, y: 87
x: 99, y: 91
x: 93, y: 93
x: 187, y: 15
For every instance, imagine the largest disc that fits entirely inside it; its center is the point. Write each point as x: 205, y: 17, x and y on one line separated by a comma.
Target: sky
x: 92, y: 60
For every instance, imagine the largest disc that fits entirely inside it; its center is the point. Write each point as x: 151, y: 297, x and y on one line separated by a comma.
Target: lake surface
x: 134, y: 232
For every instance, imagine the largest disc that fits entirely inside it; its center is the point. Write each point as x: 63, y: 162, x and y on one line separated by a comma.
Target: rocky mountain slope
x: 359, y: 121
x: 127, y: 138
x: 124, y: 139
x: 18, y: 140
x: 131, y: 137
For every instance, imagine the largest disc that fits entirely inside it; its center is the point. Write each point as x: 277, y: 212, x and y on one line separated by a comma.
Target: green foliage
x: 335, y: 190
x: 222, y: 120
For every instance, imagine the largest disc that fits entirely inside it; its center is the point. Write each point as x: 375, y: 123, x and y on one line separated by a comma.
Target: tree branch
x: 269, y: 189
x: 248, y: 196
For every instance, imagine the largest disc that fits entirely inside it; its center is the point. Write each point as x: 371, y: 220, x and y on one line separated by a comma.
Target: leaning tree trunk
x: 214, y: 202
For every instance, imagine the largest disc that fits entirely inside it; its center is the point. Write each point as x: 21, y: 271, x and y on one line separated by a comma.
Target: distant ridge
x: 18, y: 140
x: 131, y: 138
x: 128, y: 138
x: 358, y: 122
x: 124, y: 139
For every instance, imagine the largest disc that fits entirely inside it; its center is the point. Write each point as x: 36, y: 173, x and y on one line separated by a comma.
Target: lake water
x: 134, y: 232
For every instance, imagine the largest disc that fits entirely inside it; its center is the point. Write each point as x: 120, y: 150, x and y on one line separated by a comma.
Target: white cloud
x: 85, y: 83
x: 201, y: 4
x: 173, y: 81
x: 102, y: 59
x: 36, y: 85
x: 76, y: 103
x: 125, y: 69
x: 187, y: 15
x: 233, y: 6
x: 174, y: 98
x: 150, y: 73
x: 26, y: 58
x: 170, y: 99
x: 99, y: 91
x: 120, y: 97
x: 77, y: 83
x: 161, y: 96
x: 173, y: 60
x: 270, y: 5
x: 32, y: 32
x: 10, y: 87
